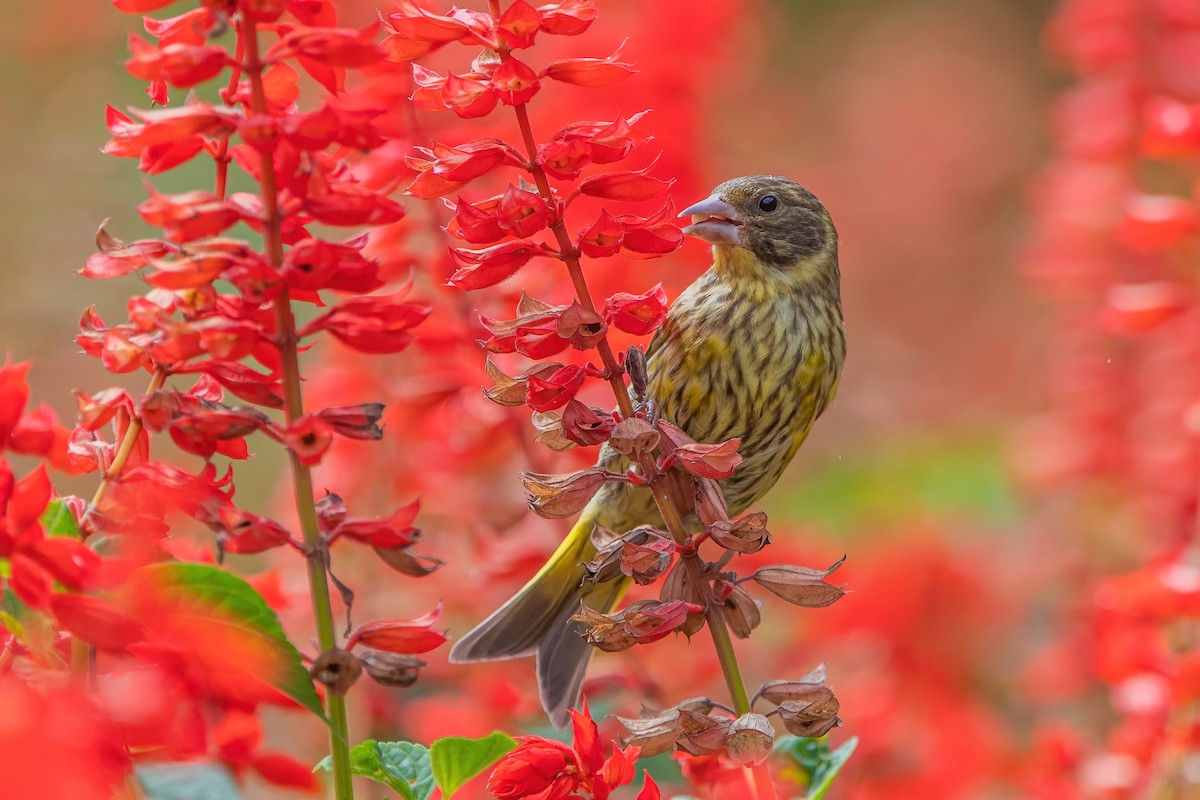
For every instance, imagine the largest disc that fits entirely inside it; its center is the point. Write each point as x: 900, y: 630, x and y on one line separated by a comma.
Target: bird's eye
x: 769, y: 203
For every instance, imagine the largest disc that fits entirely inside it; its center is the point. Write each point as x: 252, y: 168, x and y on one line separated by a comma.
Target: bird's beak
x: 714, y: 220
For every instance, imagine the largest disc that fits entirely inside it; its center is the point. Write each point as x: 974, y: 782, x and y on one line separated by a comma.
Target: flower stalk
x: 714, y: 613
x: 302, y: 485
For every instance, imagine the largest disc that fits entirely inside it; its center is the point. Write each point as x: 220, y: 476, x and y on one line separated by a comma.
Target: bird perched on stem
x: 752, y: 350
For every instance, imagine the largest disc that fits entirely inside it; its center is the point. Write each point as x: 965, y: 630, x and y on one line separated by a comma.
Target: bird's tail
x: 537, y: 621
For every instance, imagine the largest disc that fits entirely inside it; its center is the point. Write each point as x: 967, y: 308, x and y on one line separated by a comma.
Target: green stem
x: 714, y: 612
x: 293, y: 406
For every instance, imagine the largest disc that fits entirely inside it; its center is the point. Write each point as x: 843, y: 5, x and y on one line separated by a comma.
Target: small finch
x: 752, y: 350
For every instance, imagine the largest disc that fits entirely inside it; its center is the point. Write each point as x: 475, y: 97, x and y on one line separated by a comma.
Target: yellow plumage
x: 753, y: 350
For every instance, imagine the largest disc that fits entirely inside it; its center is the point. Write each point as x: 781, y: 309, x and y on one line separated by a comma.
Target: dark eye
x: 769, y: 203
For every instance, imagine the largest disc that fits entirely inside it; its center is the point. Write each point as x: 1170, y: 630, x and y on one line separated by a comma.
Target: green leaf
x: 402, y: 766
x: 12, y: 625
x: 58, y: 520
x: 819, y: 765
x: 456, y: 760
x: 203, y: 780
x: 243, y: 610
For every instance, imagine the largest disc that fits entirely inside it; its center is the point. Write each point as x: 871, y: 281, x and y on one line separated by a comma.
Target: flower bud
x: 750, y: 739
x: 337, y: 670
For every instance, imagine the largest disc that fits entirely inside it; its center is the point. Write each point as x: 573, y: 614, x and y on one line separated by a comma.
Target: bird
x: 753, y: 349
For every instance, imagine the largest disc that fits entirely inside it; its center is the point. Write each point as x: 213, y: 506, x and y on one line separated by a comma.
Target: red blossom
x: 549, y: 769
x: 189, y: 216
x: 626, y: 186
x: 568, y: 17
x: 519, y: 24
x: 489, y: 266
x: 96, y: 621
x: 639, y: 314
x: 589, y: 71
x: 411, y: 637
x: 181, y: 65
x: 378, y: 324
x: 395, y: 531
x: 515, y: 82
x: 556, y: 389
x: 1156, y: 222
x: 308, y: 437
x: 338, y: 47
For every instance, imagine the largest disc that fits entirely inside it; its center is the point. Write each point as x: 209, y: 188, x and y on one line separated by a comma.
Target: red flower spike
x: 629, y: 186
x: 96, y: 621
x: 522, y: 212
x: 309, y: 437
x: 569, y: 17
x: 554, y: 391
x: 407, y: 638
x: 519, y: 24
x: 487, y: 267
x: 589, y: 71
x: 638, y: 314
x: 515, y: 82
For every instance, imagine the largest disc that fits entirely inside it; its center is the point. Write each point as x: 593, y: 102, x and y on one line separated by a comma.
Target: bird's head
x: 776, y: 220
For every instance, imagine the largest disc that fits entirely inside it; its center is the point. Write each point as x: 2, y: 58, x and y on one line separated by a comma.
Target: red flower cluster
x: 543, y: 769
x: 1113, y: 253
x: 219, y: 316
